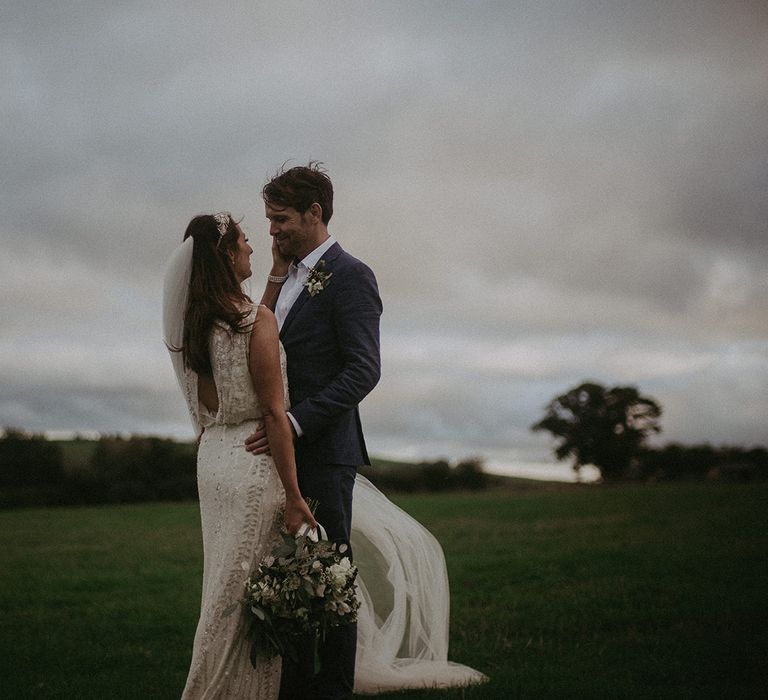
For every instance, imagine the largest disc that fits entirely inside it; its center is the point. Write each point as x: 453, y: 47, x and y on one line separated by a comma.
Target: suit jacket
x: 331, y: 342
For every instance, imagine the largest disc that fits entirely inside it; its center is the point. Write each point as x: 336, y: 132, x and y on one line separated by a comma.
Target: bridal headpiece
x: 222, y: 223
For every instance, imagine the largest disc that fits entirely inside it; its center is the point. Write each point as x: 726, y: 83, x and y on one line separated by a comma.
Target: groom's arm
x: 356, y: 319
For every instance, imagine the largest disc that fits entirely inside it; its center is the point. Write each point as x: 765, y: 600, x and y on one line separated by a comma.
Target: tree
x: 600, y: 426
x: 29, y: 460
x: 469, y: 474
x: 144, y: 469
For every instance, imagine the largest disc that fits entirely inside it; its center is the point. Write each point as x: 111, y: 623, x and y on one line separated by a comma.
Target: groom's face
x: 294, y: 233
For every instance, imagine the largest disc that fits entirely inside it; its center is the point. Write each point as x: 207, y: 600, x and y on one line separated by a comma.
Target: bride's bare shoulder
x: 264, y: 328
x: 263, y: 314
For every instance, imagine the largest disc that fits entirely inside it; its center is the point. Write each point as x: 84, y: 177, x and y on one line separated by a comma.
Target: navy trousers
x: 331, y: 485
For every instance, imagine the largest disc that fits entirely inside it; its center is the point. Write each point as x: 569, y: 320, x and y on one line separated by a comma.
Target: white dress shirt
x: 289, y: 293
x: 297, y: 277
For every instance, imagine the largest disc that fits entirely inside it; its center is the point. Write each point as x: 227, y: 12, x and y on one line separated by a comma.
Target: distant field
x: 600, y: 592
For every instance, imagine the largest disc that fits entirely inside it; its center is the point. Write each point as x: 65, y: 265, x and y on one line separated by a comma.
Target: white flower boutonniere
x: 317, y: 278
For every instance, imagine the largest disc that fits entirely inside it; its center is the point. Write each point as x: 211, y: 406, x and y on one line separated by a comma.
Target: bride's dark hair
x: 214, y: 291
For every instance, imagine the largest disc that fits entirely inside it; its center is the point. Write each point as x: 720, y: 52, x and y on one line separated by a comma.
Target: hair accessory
x: 222, y: 222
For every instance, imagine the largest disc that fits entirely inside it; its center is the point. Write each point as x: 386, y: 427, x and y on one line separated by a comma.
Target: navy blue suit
x: 331, y: 341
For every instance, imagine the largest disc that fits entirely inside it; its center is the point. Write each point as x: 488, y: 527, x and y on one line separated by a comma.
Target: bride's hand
x: 297, y: 512
x: 280, y: 263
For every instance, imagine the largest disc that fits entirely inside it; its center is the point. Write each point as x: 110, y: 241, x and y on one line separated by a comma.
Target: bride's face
x: 241, y: 259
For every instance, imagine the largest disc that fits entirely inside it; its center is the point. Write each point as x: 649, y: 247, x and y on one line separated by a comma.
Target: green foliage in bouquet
x: 304, y: 588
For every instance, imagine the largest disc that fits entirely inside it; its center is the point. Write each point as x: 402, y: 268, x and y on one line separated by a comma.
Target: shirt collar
x: 314, y: 257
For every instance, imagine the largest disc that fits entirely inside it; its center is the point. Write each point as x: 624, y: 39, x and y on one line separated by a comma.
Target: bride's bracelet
x: 276, y: 279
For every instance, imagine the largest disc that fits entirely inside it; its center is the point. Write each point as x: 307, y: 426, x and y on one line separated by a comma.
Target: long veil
x: 403, y: 619
x: 178, y: 273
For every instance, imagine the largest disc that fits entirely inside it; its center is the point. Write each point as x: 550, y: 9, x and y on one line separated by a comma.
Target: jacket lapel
x: 329, y: 256
x: 300, y: 301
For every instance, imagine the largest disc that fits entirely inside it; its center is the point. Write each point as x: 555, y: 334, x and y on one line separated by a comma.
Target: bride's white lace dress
x: 241, y: 499
x: 403, y: 586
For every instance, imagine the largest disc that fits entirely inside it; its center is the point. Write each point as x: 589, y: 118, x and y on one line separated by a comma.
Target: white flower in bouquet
x: 339, y: 573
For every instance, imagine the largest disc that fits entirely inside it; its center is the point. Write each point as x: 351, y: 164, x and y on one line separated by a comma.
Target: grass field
x: 600, y: 592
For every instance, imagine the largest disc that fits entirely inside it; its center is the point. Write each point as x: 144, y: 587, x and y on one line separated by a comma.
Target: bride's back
x: 237, y: 400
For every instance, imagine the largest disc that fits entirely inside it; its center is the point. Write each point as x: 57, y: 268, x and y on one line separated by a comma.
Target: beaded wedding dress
x: 402, y: 581
x: 241, y: 503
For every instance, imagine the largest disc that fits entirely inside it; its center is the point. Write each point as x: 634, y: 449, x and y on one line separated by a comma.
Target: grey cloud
x: 127, y: 410
x: 554, y: 182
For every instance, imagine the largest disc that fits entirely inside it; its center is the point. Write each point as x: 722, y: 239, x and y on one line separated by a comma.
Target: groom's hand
x: 257, y: 443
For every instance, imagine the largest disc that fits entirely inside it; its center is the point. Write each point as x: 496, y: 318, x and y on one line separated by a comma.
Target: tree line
x: 116, y: 469
x: 592, y: 424
x: 113, y: 469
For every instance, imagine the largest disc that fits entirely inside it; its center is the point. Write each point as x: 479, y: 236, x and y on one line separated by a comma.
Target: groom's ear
x: 316, y: 211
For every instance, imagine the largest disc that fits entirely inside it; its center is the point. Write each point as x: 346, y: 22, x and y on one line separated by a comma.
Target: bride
x: 231, y: 369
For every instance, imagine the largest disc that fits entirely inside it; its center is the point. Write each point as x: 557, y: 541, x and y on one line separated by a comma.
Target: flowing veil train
x: 403, y: 619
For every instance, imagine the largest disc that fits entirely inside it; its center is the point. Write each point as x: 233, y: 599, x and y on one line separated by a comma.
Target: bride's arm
x: 279, y: 272
x: 264, y: 366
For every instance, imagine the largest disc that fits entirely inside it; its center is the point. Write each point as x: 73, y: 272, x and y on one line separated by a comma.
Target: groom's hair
x: 300, y: 187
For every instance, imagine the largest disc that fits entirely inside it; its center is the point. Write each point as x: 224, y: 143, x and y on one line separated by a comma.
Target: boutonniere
x: 317, y: 278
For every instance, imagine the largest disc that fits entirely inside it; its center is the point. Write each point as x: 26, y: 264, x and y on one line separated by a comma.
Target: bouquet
x: 304, y: 588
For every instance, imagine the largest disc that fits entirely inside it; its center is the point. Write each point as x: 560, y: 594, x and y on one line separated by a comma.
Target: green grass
x: 600, y: 592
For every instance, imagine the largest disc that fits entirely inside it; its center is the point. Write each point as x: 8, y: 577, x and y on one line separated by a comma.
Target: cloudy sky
x: 548, y: 192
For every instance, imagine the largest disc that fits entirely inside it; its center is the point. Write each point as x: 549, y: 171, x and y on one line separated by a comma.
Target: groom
x: 328, y: 311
